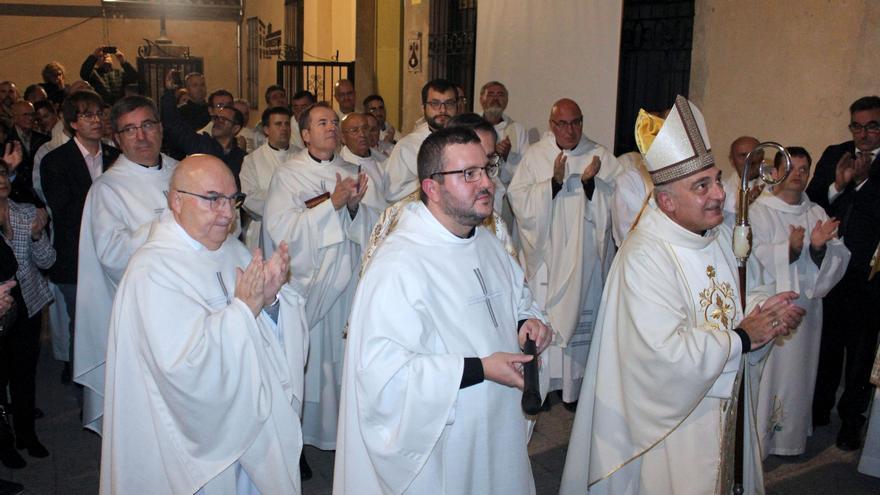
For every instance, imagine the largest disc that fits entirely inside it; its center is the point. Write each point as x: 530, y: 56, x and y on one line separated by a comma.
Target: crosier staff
x: 742, y: 248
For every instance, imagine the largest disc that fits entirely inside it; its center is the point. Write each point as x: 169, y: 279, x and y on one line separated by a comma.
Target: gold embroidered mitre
x: 681, y: 147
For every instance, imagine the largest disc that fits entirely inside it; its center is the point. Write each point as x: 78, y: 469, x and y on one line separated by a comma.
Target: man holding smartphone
x: 108, y: 81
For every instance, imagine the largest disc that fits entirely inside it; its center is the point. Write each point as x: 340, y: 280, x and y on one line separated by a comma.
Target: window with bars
x: 452, y: 42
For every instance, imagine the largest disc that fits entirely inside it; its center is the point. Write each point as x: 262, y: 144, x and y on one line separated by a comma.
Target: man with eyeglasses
x: 66, y: 174
x: 259, y: 167
x: 512, y: 147
x: 226, y: 122
x: 320, y: 204
x: 206, y: 349
x: 488, y: 139
x: 121, y: 205
x: 561, y: 197
x: 432, y: 370
x: 439, y: 103
x: 356, y: 149
x: 847, y: 184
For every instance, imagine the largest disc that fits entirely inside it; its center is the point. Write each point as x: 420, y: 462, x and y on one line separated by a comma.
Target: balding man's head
x: 739, y: 150
x: 356, y: 134
x: 566, y: 123
x: 23, y: 115
x: 343, y: 92
x: 203, y: 199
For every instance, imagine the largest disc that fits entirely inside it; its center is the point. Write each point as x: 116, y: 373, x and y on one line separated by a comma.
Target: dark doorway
x: 655, y: 61
x: 452, y: 42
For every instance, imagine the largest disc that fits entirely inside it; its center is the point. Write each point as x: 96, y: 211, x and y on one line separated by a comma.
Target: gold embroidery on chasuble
x: 718, y: 302
x: 719, y: 308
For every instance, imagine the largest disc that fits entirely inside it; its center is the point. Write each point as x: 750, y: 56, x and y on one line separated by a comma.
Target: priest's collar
x: 368, y: 155
x: 157, y: 166
x: 433, y: 222
x: 198, y: 246
x: 777, y: 203
x: 659, y: 224
x: 278, y: 149
x: 318, y: 160
x: 583, y: 146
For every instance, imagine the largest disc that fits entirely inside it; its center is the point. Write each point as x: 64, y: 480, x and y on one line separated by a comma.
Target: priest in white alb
x: 356, y: 149
x: 431, y: 399
x: 318, y: 204
x: 258, y: 167
x: 561, y: 198
x: 205, y: 355
x: 512, y: 138
x: 439, y: 103
x: 120, y: 207
x: 631, y: 194
x: 657, y: 411
x: 795, y: 247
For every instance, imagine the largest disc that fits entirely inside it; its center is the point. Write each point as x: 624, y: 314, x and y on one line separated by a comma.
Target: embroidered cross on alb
x: 486, y: 296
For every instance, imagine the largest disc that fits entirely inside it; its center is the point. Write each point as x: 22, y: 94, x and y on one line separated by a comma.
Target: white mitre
x: 681, y: 147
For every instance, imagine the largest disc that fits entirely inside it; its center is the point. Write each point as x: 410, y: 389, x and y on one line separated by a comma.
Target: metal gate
x: 153, y: 70
x: 315, y: 76
x: 452, y: 43
x: 655, y: 61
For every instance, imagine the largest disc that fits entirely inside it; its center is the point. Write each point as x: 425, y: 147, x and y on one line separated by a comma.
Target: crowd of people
x: 224, y: 295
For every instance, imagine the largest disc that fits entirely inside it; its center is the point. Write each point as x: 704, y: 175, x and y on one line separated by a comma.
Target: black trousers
x: 849, y: 334
x: 19, y: 352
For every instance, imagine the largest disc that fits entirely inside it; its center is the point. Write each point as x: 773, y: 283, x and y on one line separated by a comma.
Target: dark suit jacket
x: 191, y: 142
x: 66, y: 181
x: 858, y: 212
x: 23, y: 185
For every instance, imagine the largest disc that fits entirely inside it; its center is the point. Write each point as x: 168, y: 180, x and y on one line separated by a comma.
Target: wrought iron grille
x: 655, y: 61
x: 315, y: 76
x: 452, y: 42
x: 153, y: 70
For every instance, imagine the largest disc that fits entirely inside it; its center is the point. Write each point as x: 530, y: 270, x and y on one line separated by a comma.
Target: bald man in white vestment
x: 356, y: 139
x: 795, y: 248
x: 205, y: 355
x: 739, y: 150
x: 431, y: 400
x: 657, y: 411
x: 320, y: 205
x: 120, y: 207
x: 561, y: 198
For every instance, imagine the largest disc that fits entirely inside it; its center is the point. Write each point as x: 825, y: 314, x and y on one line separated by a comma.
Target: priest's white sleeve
x: 404, y: 388
x: 308, y: 231
x: 255, y: 201
x: 400, y: 171
x: 114, y: 241
x: 530, y: 199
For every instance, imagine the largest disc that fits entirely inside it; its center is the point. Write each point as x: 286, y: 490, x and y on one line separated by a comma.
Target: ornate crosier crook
x: 742, y: 247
